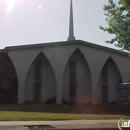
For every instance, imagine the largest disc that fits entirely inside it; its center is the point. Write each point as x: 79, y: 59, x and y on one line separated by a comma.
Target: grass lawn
x: 62, y: 112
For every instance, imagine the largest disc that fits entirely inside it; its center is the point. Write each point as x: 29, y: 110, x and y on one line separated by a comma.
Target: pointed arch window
x: 104, y: 84
x: 37, y: 78
x: 72, y: 76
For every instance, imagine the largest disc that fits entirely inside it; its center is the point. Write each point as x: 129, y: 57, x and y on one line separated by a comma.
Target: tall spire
x: 71, y: 26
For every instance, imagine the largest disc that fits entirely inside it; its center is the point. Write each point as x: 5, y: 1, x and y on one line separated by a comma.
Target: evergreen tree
x: 118, y: 20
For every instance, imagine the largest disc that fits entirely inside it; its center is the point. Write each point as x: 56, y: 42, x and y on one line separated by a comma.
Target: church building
x: 74, y: 71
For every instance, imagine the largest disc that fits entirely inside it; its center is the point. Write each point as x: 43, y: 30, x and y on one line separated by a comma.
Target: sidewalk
x: 69, y: 124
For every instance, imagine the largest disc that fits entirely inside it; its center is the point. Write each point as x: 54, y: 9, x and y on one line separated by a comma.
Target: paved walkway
x: 70, y: 124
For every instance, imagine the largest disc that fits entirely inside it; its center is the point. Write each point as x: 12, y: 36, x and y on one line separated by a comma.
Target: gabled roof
x: 64, y: 43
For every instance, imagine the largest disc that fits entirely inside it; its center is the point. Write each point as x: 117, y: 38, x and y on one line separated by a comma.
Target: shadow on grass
x: 73, y: 109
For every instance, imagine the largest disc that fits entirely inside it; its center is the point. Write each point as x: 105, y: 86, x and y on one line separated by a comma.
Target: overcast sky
x: 41, y: 21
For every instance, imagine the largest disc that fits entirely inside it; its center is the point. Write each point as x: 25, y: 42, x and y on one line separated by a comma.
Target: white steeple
x: 71, y: 26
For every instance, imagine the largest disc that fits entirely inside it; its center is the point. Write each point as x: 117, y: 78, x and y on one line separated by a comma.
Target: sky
x: 25, y: 22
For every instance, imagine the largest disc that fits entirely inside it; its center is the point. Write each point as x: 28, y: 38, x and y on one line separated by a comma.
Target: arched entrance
x: 77, y: 80
x: 109, y: 77
x: 40, y: 83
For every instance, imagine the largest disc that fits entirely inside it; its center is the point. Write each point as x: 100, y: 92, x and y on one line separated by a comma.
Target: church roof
x: 64, y: 43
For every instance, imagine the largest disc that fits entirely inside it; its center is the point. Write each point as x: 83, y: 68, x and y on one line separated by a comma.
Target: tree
x: 8, y: 80
x: 125, y: 2
x: 118, y: 20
